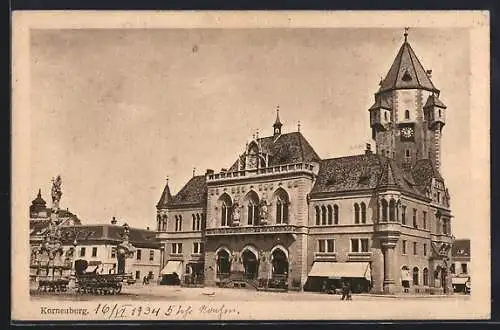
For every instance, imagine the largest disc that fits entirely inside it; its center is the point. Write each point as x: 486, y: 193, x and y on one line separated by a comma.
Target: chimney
x: 209, y: 171
x: 113, y: 221
x: 368, y: 149
x: 429, y: 73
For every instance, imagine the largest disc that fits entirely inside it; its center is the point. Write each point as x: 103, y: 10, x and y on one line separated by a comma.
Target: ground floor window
x: 137, y: 274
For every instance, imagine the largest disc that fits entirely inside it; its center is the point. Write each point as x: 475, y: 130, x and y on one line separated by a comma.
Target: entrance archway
x: 250, y: 264
x: 223, y: 262
x: 279, y: 262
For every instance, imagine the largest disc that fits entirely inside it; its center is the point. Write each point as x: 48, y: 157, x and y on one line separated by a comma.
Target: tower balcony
x: 294, y: 168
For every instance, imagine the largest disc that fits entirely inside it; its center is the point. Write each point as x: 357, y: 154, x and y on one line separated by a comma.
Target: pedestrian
x: 349, y: 292
x: 344, y: 290
x: 144, y: 280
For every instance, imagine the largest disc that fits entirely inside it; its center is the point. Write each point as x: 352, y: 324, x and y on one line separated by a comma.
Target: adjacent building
x: 282, y: 211
x: 460, y: 263
x: 96, y: 243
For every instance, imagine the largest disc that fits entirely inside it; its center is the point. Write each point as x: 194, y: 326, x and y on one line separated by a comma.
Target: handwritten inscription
x: 127, y: 311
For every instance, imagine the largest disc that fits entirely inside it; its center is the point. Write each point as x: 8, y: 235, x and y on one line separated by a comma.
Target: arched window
x: 356, y: 213
x: 323, y: 215
x: 383, y: 203
x: 363, y: 212
x: 336, y: 214
x: 439, y: 112
x: 426, y: 276
x: 226, y: 204
x: 407, y: 114
x: 252, y: 201
x: 158, y: 220
x: 392, y: 210
x: 415, y: 276
x: 316, y: 208
x: 385, y: 115
x: 281, y: 206
x: 198, y: 221
x: 330, y: 215
x: 194, y: 222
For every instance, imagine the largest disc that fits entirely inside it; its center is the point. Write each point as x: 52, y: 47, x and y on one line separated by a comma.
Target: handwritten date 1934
x: 119, y: 311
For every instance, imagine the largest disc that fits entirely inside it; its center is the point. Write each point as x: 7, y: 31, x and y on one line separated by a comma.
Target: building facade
x: 281, y: 211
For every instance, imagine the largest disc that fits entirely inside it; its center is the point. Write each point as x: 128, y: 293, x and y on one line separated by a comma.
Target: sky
x: 115, y: 112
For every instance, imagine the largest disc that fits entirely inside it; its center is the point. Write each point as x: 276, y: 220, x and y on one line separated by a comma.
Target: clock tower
x: 407, y: 116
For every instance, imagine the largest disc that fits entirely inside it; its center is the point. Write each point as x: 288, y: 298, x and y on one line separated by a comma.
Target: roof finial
x: 257, y: 134
x: 298, y: 126
x: 194, y: 171
x: 39, y: 193
x: 406, y: 33
x: 167, y: 179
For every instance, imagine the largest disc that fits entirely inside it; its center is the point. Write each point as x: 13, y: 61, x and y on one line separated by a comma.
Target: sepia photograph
x: 250, y: 166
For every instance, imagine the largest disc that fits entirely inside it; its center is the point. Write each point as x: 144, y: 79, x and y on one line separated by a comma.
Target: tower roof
x: 166, y: 197
x: 407, y: 72
x: 277, y: 122
x: 39, y: 200
x: 433, y: 100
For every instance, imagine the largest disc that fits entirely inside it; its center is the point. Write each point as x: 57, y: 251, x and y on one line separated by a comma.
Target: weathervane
x: 406, y: 33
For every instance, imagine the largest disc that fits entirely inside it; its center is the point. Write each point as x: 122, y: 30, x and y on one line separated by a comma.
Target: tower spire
x: 277, y: 123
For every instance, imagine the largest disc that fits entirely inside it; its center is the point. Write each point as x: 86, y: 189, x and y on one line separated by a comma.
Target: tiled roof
x: 461, y: 248
x: 349, y: 173
x: 433, y: 100
x: 362, y: 172
x: 406, y: 72
x: 423, y: 171
x: 285, y: 149
x: 138, y: 237
x: 194, y: 192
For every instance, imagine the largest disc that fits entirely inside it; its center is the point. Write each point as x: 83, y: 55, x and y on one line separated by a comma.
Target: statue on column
x: 56, y: 192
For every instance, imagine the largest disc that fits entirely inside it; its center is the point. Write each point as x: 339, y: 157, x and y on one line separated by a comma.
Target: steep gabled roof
x: 349, y: 173
x: 407, y: 72
x: 362, y: 172
x: 193, y: 192
x: 285, y: 149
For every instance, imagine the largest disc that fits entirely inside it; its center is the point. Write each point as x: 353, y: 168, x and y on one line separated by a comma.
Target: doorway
x: 250, y: 264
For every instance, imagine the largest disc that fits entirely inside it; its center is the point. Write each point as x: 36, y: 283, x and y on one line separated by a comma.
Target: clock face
x: 407, y: 132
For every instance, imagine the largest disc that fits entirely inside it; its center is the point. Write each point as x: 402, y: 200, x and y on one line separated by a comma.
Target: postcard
x: 257, y: 165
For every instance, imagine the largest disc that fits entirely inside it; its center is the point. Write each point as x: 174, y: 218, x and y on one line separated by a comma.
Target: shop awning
x: 341, y: 269
x: 91, y: 269
x: 459, y: 280
x: 172, y: 266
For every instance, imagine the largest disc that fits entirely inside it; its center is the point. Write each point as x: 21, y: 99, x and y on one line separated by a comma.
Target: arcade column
x: 388, y: 244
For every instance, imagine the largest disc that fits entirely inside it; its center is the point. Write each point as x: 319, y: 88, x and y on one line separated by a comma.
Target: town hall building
x: 381, y: 219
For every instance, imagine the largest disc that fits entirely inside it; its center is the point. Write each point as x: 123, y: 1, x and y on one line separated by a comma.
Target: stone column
x: 388, y: 245
x: 388, y: 276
